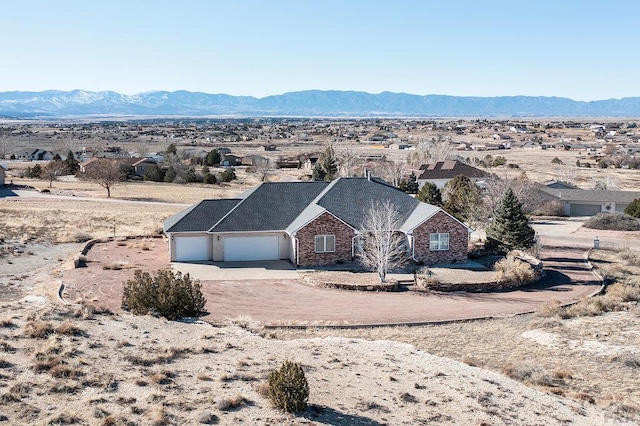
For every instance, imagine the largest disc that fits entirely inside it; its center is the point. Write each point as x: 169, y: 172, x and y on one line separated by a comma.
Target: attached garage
x: 584, y: 209
x: 191, y: 249
x: 265, y: 247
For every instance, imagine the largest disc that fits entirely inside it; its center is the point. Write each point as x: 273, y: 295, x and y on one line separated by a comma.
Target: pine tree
x: 71, y: 163
x: 329, y: 164
x: 633, y: 209
x: 510, y: 225
x: 462, y: 198
x: 409, y: 184
x: 430, y: 194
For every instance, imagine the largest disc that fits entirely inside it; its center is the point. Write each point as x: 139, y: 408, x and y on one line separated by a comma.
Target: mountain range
x: 308, y: 103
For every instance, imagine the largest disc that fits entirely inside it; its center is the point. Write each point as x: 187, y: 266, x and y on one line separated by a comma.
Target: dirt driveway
x: 288, y: 301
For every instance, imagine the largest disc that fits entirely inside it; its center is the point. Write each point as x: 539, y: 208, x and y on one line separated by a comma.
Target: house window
x: 325, y: 243
x: 439, y: 242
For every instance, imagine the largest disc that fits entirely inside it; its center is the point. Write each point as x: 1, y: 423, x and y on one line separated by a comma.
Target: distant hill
x: 310, y: 103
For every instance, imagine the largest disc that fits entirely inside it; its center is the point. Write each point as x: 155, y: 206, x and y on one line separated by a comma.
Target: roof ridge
x: 243, y: 198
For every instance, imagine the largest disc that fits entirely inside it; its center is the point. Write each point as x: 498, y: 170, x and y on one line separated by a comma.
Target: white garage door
x: 190, y: 249
x: 251, y: 248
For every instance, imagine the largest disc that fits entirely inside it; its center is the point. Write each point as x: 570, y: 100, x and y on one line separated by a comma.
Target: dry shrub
x: 5, y: 364
x: 78, y: 237
x: 550, y: 309
x: 63, y: 371
x: 64, y: 419
x: 623, y: 292
x: 226, y: 404
x: 161, y: 377
x: 68, y: 328
x: 205, y: 377
x: 613, y: 222
x: 514, y: 271
x: 632, y: 257
x: 37, y: 329
x: 532, y: 374
x: 113, y: 266
x: 7, y: 323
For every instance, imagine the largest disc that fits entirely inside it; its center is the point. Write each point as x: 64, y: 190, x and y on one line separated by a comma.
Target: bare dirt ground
x: 293, y: 302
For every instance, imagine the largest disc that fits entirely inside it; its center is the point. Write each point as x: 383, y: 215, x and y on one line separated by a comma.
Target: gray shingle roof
x: 449, y: 169
x: 271, y: 207
x: 349, y: 199
x: 200, y: 217
x: 587, y: 195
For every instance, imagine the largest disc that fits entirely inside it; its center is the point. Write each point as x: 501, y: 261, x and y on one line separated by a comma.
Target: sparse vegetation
x: 613, y: 222
x: 514, y: 270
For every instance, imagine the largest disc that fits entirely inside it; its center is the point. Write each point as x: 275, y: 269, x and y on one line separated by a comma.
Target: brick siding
x: 325, y: 224
x: 458, y: 240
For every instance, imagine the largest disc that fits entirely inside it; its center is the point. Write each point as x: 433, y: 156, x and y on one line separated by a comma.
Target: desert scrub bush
x: 226, y: 404
x: 613, y: 222
x: 514, y: 271
x: 529, y: 374
x: 68, y: 328
x: 630, y: 256
x: 37, y: 329
x: 550, y: 309
x: 165, y: 294
x: 288, y: 388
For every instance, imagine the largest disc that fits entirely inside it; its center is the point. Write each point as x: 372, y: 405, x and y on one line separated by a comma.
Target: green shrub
x: 228, y: 175
x: 633, y: 209
x: 613, y: 222
x: 166, y: 294
x: 288, y: 388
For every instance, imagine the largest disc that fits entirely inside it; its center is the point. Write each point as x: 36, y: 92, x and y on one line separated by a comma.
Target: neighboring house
x: 141, y: 166
x: 558, y: 184
x: 37, y: 155
x: 3, y: 172
x: 230, y: 160
x: 589, y: 202
x: 250, y: 160
x: 443, y: 171
x: 310, y: 224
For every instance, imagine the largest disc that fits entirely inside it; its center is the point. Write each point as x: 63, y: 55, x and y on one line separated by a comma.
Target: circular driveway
x: 270, y: 292
x: 289, y: 302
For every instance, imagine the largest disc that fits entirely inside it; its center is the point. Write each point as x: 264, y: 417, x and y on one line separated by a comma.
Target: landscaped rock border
x: 392, y: 285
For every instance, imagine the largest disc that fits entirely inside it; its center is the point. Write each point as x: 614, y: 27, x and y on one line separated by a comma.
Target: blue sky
x: 581, y: 49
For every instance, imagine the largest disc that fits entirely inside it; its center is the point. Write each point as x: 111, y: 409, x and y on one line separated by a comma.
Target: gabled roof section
x: 421, y: 213
x: 200, y: 217
x: 271, y: 207
x: 350, y: 199
x: 449, y: 169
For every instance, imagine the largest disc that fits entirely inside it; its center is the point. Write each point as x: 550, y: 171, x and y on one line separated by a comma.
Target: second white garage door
x: 251, y: 248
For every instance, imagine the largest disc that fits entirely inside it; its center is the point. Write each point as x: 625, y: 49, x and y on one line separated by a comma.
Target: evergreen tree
x: 154, y: 173
x: 213, y: 158
x: 633, y: 209
x: 318, y: 173
x: 409, y: 184
x: 170, y: 175
x: 191, y: 175
x: 228, y: 175
x: 328, y: 164
x: 430, y: 194
x: 171, y: 149
x: 71, y: 164
x: 462, y: 198
x: 510, y: 225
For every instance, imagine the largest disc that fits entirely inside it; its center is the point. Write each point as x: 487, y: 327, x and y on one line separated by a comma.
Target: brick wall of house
x: 458, y: 240
x: 325, y: 224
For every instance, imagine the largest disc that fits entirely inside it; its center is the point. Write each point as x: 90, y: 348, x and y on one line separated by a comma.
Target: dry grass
x: 73, y: 220
x: 143, y: 191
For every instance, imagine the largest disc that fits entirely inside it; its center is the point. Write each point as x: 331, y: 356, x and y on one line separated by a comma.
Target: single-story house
x: 230, y: 160
x: 3, y: 172
x: 37, y: 155
x: 589, y: 202
x: 310, y: 224
x: 141, y: 166
x: 441, y: 172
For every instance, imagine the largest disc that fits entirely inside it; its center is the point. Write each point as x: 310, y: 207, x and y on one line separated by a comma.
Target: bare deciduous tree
x: 428, y: 151
x: 261, y: 168
x: 106, y: 173
x: 393, y: 171
x: 383, y: 245
x: 607, y: 183
x: 54, y: 169
x: 347, y: 160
